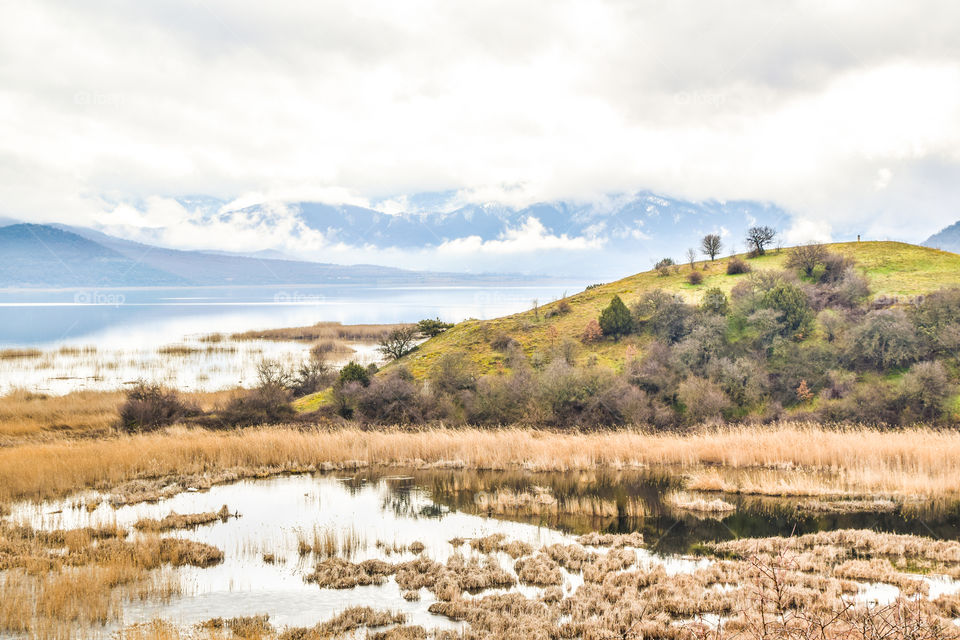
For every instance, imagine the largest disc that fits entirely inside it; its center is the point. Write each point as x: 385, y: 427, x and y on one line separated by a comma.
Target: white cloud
x: 805, y: 231
x: 531, y: 236
x: 814, y: 107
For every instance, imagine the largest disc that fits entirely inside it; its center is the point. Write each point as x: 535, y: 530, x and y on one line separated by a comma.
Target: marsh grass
x: 323, y: 331
x: 788, y: 458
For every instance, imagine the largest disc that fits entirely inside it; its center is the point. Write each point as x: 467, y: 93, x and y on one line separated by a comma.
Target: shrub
x: 591, y: 332
x: 149, y: 406
x: 702, y: 399
x: 885, y: 339
x: 311, y: 376
x: 664, y: 314
x: 791, y: 303
x: 663, y: 266
x: 615, y: 320
x: 715, y: 301
x: 737, y: 266
x: 393, y: 398
x: 454, y: 372
x: 744, y: 380
x: 937, y: 318
x: 503, y: 342
x: 562, y: 307
x: 695, y: 277
x: 353, y: 372
x: 267, y: 403
x: 925, y: 389
x: 432, y: 327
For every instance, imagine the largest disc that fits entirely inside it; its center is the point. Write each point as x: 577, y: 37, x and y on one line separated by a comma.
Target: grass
x: 28, y: 415
x: 813, y: 459
x: 894, y: 269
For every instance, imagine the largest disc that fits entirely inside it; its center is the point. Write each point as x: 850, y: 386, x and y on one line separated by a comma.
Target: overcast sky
x: 847, y: 114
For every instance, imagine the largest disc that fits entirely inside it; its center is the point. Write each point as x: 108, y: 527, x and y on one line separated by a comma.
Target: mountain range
x: 57, y: 256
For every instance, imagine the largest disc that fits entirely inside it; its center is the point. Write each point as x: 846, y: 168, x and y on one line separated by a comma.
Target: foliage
x: 353, y: 372
x: 431, y: 328
x: 663, y: 314
x: 150, y: 406
x: 737, y: 266
x: 615, y: 320
x: 715, y: 301
x: 791, y: 303
x: 591, y: 332
x: 695, y: 277
x: 884, y: 339
x: 662, y: 266
x: 807, y: 258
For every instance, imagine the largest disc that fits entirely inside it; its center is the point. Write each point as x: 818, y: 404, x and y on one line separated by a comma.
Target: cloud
x: 815, y: 107
x: 807, y: 231
x: 531, y: 236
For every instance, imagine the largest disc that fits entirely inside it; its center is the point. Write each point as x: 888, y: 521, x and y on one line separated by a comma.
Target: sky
x: 846, y: 114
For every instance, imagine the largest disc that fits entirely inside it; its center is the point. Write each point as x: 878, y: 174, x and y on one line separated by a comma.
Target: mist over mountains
x: 604, y: 238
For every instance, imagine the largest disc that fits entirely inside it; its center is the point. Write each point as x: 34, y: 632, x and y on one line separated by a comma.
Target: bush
x: 591, y: 332
x: 503, y: 342
x: 663, y: 266
x: 695, y: 277
x: 924, y: 391
x: 715, y: 301
x: 885, y: 339
x: 150, y: 406
x: 311, y: 376
x: 562, y: 307
x: 265, y: 404
x: 664, y: 314
x: 791, y: 303
x: 453, y: 372
x: 615, y: 320
x: 737, y: 266
x: 702, y: 399
x: 353, y: 372
x: 393, y: 398
x: 432, y: 328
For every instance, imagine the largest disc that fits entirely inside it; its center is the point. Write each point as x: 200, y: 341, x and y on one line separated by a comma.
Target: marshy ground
x: 480, y: 534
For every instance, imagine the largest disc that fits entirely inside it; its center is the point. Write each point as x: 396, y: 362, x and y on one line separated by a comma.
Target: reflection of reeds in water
x: 328, y: 542
x: 687, y: 501
x: 540, y: 502
x: 19, y: 354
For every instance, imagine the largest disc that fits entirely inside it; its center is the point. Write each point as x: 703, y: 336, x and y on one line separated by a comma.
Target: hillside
x: 893, y: 269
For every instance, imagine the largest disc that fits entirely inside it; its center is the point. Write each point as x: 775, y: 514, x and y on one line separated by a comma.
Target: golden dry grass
x: 788, y: 458
x: 814, y: 460
x: 28, y: 415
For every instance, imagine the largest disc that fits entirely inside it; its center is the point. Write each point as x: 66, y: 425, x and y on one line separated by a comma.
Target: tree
x: 711, y: 245
x: 715, y: 301
x: 431, y: 328
x: 691, y: 257
x: 807, y: 258
x: 615, y: 320
x: 760, y: 238
x: 399, y: 342
x: 790, y: 301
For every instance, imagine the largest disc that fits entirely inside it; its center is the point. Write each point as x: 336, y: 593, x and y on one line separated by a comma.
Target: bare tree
x: 759, y: 238
x: 807, y: 257
x: 399, y: 342
x: 711, y: 245
x: 691, y: 257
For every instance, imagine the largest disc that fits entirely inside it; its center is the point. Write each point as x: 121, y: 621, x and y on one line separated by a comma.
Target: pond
x: 381, y: 513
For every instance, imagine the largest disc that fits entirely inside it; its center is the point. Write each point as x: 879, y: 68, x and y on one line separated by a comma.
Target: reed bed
x: 814, y: 460
x: 323, y: 331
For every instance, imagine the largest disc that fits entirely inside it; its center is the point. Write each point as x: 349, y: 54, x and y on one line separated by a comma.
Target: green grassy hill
x: 894, y: 269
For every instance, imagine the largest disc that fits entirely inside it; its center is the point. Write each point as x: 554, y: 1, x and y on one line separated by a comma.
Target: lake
x: 58, y: 341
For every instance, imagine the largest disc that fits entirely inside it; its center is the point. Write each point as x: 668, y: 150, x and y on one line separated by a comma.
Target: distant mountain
x: 947, y: 239
x: 57, y: 256
x: 37, y: 255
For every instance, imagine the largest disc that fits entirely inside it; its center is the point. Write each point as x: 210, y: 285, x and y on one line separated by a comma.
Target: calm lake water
x: 106, y: 338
